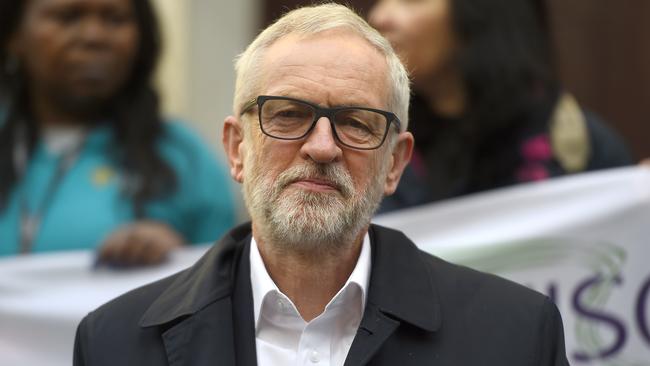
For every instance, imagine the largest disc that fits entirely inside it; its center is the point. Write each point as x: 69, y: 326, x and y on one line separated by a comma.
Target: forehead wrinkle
x: 341, y: 66
x: 346, y: 73
x: 329, y: 87
x: 313, y: 68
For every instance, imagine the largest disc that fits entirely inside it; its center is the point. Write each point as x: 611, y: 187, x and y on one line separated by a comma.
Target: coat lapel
x: 401, y: 291
x: 195, y: 313
x: 203, y: 339
x: 243, y: 314
x: 373, y: 331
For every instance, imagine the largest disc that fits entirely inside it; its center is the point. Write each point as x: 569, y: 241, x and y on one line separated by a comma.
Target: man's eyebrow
x: 358, y: 103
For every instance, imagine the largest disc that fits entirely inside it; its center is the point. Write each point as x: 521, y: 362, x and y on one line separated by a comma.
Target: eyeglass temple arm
x: 250, y: 104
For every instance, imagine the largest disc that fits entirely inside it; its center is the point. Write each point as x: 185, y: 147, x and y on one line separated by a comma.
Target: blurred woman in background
x: 86, y: 160
x: 488, y: 110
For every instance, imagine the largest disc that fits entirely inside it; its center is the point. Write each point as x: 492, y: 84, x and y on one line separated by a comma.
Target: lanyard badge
x: 30, y: 222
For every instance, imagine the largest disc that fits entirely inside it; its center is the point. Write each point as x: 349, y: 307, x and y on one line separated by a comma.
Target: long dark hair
x: 505, y: 56
x: 134, y: 113
x: 505, y: 61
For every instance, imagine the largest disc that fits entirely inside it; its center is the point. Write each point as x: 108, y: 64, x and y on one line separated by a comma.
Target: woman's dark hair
x: 505, y: 61
x: 134, y: 113
x: 504, y: 57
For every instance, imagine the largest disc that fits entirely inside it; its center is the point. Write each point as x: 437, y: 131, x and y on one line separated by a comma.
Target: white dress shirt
x: 282, y: 337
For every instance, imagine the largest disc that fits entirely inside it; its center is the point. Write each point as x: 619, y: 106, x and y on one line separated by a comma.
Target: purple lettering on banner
x: 595, y: 315
x: 641, y: 315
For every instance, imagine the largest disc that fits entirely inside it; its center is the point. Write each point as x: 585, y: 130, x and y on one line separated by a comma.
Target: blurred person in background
x: 487, y: 110
x: 86, y: 161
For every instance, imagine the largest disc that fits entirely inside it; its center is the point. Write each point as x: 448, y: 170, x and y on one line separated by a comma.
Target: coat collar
x: 401, y: 284
x: 211, y: 278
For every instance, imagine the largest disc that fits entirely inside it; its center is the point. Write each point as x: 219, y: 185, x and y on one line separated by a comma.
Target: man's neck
x: 310, y: 281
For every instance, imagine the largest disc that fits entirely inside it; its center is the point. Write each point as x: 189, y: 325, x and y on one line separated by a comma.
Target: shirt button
x: 314, y: 357
x: 280, y: 305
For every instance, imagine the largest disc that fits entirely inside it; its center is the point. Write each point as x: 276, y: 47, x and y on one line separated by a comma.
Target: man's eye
x: 291, y: 113
x: 355, y: 125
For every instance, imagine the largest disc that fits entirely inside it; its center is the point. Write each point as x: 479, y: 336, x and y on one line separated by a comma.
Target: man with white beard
x: 317, y: 138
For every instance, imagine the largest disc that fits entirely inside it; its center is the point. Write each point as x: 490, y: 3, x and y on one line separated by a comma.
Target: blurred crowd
x: 88, y: 161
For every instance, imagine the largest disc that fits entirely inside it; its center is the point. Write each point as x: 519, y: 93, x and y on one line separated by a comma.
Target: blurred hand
x: 646, y: 162
x: 141, y: 243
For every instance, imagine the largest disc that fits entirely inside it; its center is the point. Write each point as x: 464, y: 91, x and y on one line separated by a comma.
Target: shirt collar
x: 262, y: 284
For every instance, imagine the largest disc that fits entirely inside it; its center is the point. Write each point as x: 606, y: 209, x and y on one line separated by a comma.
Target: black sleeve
x: 608, y: 149
x: 552, y: 352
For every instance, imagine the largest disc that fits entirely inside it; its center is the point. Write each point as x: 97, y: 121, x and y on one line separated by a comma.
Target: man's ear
x: 399, y: 159
x: 233, y: 143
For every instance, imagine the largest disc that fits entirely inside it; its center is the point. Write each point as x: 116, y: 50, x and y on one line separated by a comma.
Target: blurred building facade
x: 603, y: 55
x: 201, y: 39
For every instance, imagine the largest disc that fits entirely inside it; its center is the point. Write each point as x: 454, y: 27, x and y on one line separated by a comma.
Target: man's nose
x: 320, y: 145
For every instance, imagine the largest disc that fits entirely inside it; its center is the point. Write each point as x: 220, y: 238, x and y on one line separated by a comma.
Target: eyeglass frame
x: 320, y: 112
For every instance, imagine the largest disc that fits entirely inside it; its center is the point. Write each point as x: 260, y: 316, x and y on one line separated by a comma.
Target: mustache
x: 335, y: 175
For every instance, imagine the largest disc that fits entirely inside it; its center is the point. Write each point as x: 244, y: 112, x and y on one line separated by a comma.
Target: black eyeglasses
x: 287, y: 118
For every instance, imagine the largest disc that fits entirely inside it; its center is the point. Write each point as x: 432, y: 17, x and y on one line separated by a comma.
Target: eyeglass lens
x: 287, y: 119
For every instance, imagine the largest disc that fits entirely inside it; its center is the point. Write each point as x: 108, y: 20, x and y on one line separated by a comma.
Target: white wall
x: 201, y: 39
x: 196, y: 77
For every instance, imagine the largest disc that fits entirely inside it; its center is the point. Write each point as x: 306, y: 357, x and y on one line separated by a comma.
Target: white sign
x: 584, y: 241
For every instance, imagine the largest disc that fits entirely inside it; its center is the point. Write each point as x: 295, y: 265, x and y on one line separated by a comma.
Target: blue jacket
x: 89, y: 203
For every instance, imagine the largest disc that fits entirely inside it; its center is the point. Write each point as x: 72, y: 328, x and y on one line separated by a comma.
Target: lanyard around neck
x: 30, y: 221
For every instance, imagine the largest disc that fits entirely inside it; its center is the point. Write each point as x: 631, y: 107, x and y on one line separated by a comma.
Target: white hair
x: 311, y: 20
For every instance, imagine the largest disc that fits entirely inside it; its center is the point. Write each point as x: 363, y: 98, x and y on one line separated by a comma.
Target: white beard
x: 300, y: 221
